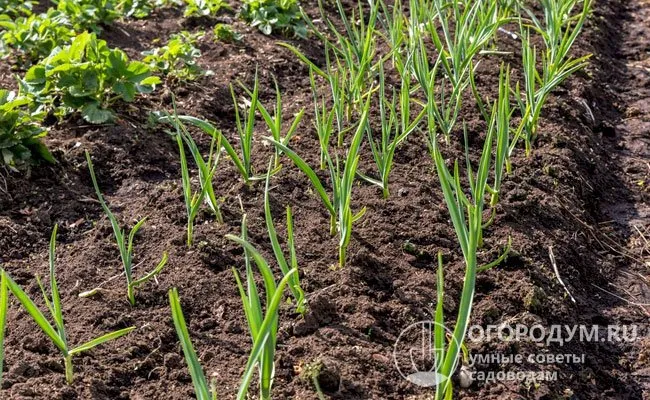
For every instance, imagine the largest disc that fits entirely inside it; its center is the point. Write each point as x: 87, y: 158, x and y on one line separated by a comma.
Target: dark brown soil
x: 579, y: 194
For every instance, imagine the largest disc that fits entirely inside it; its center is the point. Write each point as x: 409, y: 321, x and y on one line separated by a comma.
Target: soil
x: 582, y: 195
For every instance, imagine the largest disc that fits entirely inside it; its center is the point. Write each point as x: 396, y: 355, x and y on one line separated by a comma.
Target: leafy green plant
x: 200, y: 8
x: 20, y: 132
x: 178, y: 58
x: 339, y: 205
x: 559, y: 31
x: 89, y: 14
x: 226, y: 33
x: 57, y: 334
x: 279, y: 15
x: 167, y: 3
x: 125, y: 246
x: 201, y: 388
x: 135, y: 8
x: 89, y: 77
x: 31, y: 39
x: 16, y: 8
x: 262, y: 321
x: 396, y: 126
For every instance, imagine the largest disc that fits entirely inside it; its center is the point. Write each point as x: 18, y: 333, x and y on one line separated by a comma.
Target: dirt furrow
x: 625, y: 207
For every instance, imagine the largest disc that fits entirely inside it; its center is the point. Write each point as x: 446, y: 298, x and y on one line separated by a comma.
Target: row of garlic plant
x: 352, y: 64
x: 262, y: 313
x: 461, y: 32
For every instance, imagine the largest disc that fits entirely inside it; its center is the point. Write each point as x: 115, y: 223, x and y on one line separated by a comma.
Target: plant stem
x: 67, y: 362
x: 130, y: 293
x: 319, y: 391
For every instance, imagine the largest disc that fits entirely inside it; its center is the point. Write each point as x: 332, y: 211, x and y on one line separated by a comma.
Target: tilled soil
x: 579, y: 195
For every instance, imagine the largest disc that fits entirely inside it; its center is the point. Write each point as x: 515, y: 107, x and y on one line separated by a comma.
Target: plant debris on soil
x: 582, y: 195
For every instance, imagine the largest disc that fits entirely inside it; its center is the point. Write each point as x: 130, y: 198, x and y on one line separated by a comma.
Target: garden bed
x: 563, y: 197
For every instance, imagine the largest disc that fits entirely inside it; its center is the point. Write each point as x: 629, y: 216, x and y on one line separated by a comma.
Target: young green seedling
x: 504, y: 146
x: 201, y: 388
x: 4, y: 301
x: 474, y: 26
x: 339, y: 205
x: 246, y: 126
x: 475, y: 23
x: 245, y: 130
x: 338, y: 78
x: 53, y: 303
x: 559, y: 32
x: 394, y: 24
x: 323, y: 120
x: 285, y: 267
x: 396, y: 126
x: 356, y: 47
x: 262, y: 322
x: 193, y: 200
x: 466, y: 214
x: 124, y: 244
x: 206, y: 169
x: 274, y: 123
x: 350, y: 58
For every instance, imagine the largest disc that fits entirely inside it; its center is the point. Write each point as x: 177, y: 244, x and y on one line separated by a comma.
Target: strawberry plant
x: 89, y: 77
x: 14, y: 8
x: 89, y: 14
x: 30, y: 39
x: 200, y: 8
x: 225, y: 33
x: 176, y: 59
x: 136, y: 8
x: 269, y: 15
x: 20, y: 132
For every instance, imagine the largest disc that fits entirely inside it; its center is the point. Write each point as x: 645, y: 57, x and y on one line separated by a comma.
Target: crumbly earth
x: 581, y: 195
